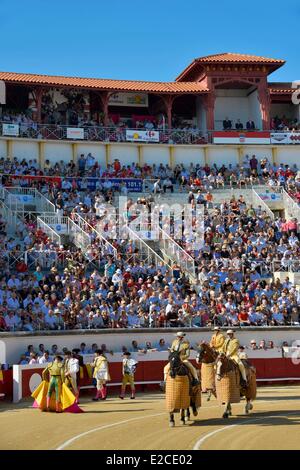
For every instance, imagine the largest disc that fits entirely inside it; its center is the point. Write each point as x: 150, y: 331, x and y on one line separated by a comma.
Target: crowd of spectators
x: 285, y: 124
x: 239, y: 126
x: 103, y: 288
x: 251, y: 171
x: 54, y: 126
x: 43, y: 354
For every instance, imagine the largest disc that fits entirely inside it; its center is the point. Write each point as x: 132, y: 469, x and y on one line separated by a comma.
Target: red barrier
x: 148, y: 374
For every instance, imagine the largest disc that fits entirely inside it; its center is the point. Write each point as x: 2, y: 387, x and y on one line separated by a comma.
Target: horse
x: 207, y: 356
x: 228, y: 387
x: 180, y: 394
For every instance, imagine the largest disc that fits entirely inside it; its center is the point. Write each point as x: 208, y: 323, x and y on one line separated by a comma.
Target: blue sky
x: 143, y: 40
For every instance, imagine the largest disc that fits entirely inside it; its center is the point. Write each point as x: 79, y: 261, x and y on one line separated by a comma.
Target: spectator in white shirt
x: 44, y: 358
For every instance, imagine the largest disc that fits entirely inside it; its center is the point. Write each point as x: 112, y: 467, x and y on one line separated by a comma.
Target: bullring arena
x: 143, y: 423
x: 149, y: 235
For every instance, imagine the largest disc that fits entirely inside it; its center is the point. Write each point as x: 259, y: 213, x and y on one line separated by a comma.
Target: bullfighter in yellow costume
x: 53, y: 381
x: 217, y: 339
x: 231, y: 349
x: 182, y: 346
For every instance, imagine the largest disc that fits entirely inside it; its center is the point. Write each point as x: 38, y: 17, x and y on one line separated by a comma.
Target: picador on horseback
x: 182, y: 346
x: 230, y: 348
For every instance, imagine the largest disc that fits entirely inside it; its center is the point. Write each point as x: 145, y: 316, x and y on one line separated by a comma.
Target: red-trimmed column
x: 39, y: 104
x: 37, y: 96
x: 168, y: 102
x: 104, y: 98
x: 209, y: 105
x: 265, y: 105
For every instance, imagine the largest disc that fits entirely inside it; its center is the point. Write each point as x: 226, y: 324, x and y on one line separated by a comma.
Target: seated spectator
x: 253, y: 345
x: 250, y: 125
x: 167, y: 184
x: 262, y: 344
x: 238, y: 125
x: 227, y: 124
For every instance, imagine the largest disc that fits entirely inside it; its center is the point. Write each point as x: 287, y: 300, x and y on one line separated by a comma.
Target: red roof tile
x: 231, y: 58
x: 281, y: 87
x: 103, y: 84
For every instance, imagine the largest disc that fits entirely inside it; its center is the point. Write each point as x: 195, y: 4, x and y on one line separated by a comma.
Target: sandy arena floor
x: 143, y: 424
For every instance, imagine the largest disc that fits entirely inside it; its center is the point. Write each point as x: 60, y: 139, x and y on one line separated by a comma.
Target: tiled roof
x: 281, y: 87
x: 231, y: 58
x: 103, y: 84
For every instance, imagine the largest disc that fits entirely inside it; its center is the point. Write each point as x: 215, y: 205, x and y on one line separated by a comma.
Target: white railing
x: 291, y: 206
x: 258, y: 201
x: 289, y: 265
x: 49, y: 231
x: 94, y: 233
x: 18, y: 197
x: 43, y: 204
x: 145, y: 252
x: 12, y: 201
x: 177, y: 254
x: 9, y: 216
x: 80, y: 238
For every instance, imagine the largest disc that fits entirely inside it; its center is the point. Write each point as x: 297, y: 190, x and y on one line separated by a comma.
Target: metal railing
x: 20, y: 197
x: 9, y: 216
x: 176, y: 253
x: 258, y: 201
x: 145, y: 252
x: 80, y: 238
x: 43, y: 204
x: 284, y: 264
x: 95, y: 234
x: 291, y: 206
x: 13, y: 202
x: 117, y: 133
x: 49, y: 231
x: 106, y: 134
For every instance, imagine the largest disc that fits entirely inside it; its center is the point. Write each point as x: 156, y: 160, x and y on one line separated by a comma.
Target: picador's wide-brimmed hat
x: 180, y: 334
x: 229, y: 332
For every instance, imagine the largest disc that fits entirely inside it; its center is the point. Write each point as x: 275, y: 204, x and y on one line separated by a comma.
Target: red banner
x: 53, y: 180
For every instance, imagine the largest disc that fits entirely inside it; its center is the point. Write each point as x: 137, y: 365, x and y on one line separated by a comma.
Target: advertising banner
x: 137, y: 100
x: 234, y: 137
x: 76, y: 133
x: 142, y: 136
x: 271, y: 197
x: 285, y: 138
x: 10, y: 129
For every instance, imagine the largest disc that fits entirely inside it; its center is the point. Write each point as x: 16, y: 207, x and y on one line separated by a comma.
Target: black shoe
x: 132, y: 398
x: 122, y: 398
x: 95, y: 399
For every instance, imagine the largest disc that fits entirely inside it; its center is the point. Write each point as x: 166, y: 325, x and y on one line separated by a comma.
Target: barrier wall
x: 12, y: 345
x: 149, y: 373
x: 144, y: 153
